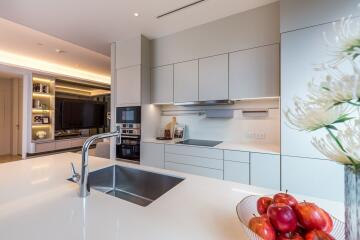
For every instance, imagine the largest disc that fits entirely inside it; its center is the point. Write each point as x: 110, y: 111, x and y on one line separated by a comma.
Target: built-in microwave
x: 128, y: 115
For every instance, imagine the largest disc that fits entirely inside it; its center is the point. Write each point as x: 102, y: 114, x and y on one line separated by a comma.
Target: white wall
x: 245, y: 30
x: 239, y: 129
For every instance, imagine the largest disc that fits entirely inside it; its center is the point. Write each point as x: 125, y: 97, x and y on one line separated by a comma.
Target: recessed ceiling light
x: 136, y: 14
x: 59, y: 51
x: 40, y: 44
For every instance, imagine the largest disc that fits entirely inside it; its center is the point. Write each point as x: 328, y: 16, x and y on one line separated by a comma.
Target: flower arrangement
x: 333, y: 101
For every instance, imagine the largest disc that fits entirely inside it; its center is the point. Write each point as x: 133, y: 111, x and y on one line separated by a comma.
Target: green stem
x: 341, y: 147
x: 354, y: 104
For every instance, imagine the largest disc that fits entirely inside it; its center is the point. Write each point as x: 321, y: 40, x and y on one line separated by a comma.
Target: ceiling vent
x: 180, y: 8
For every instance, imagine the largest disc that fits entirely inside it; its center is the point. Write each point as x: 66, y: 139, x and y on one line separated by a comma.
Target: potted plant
x: 333, y: 104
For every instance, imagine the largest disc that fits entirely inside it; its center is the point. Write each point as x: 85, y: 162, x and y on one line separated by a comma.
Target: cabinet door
x: 186, y: 82
x: 265, y: 170
x: 206, y: 172
x: 214, y: 78
x: 313, y: 177
x: 44, y: 147
x: 128, y: 53
x: 254, y: 73
x: 162, y: 84
x: 237, y: 172
x: 152, y: 155
x: 62, y: 144
x: 128, y: 86
x: 300, y: 51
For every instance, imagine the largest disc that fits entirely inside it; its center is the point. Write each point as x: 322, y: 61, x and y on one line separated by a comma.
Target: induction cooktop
x: 197, y: 142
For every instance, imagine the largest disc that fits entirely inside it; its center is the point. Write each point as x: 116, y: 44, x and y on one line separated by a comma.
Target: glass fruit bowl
x: 246, y: 209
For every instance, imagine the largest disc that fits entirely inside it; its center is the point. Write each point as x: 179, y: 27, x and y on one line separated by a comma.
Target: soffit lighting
x: 34, y: 64
x: 136, y: 14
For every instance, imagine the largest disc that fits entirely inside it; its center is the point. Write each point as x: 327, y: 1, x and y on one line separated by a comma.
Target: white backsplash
x: 240, y: 129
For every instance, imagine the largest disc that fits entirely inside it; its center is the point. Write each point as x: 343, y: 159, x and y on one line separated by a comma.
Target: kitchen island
x: 38, y: 203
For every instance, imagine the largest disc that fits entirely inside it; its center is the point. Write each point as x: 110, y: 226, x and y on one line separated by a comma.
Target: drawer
x: 193, y: 160
x: 62, y: 144
x: 44, y: 147
x: 77, y: 142
x: 194, y: 151
x: 237, y: 156
x: 237, y: 172
x: 206, y: 172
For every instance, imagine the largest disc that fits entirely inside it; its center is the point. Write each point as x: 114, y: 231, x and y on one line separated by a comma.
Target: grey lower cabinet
x: 214, y: 78
x: 201, y: 161
x: 162, y: 84
x: 237, y: 166
x: 265, y: 170
x: 152, y: 155
x: 258, y: 169
x: 313, y: 177
x: 255, y: 73
x: 186, y: 81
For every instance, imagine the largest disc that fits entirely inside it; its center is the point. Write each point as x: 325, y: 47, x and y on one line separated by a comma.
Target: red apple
x: 282, y: 217
x: 318, y: 235
x: 263, y: 203
x: 290, y: 236
x: 285, y: 198
x: 312, y: 217
x: 262, y: 227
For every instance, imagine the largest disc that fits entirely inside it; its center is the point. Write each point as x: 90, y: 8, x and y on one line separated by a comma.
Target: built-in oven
x: 128, y: 122
x: 129, y: 148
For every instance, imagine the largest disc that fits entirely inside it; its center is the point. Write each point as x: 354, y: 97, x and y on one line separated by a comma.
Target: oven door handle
x: 129, y: 136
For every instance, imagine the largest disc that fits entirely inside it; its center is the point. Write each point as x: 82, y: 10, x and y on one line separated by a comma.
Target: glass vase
x: 352, y: 203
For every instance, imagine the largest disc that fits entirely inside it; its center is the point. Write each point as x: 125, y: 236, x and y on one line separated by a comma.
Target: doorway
x: 11, y: 100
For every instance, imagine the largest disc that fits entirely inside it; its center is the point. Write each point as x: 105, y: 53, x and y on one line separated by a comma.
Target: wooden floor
x: 9, y: 158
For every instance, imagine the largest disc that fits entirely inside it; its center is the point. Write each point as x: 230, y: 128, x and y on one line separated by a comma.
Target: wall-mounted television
x: 78, y: 114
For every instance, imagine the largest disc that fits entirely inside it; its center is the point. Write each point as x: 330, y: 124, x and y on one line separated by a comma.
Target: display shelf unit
x: 43, y: 105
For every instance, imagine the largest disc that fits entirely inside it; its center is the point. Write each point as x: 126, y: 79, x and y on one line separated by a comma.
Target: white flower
x: 347, y: 40
x: 309, y: 116
x: 347, y: 149
x: 329, y: 148
x: 337, y: 87
x: 350, y: 140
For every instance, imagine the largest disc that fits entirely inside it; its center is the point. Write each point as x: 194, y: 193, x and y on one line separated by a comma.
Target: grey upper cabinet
x: 186, y: 81
x: 297, y: 14
x: 300, y: 51
x: 128, y: 86
x: 254, y: 73
x: 162, y: 85
x: 128, y: 53
x: 214, y: 78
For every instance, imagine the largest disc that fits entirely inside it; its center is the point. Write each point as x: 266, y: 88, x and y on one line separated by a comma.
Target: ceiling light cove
x: 34, y: 64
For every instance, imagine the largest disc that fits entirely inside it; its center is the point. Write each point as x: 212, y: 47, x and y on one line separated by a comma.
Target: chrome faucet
x: 83, y: 178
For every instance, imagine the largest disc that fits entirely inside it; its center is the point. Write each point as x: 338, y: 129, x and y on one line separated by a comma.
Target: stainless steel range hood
x: 206, y: 103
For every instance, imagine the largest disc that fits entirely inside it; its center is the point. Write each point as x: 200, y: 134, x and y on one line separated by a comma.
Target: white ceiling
x: 94, y: 24
x: 23, y: 41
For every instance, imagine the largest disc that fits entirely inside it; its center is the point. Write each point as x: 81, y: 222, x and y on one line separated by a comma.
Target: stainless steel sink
x: 133, y: 185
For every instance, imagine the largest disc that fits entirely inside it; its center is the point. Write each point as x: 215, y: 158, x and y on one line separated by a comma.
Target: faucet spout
x: 84, y: 185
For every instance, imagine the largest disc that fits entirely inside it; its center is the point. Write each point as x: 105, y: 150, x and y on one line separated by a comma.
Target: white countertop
x: 38, y: 203
x: 246, y: 147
